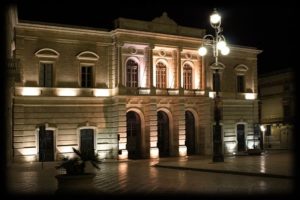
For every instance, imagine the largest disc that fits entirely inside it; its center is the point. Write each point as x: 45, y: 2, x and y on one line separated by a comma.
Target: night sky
x: 267, y: 27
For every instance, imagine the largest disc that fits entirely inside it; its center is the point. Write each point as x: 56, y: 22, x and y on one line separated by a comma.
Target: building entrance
x: 163, y: 134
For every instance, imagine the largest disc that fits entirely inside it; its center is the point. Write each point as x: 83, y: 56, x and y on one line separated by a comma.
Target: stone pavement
x: 277, y: 164
x: 270, y: 173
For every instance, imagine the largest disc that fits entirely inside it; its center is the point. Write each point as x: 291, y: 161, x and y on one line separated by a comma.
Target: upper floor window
x: 132, y: 73
x: 87, y: 76
x: 187, y: 77
x: 161, y: 75
x: 240, y: 83
x: 241, y: 71
x: 46, y: 75
x: 216, y: 82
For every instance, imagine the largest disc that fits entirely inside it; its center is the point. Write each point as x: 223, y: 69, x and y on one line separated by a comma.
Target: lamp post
x: 263, y: 129
x: 218, y: 43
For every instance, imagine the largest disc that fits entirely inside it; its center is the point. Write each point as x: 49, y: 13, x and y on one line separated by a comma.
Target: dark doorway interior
x: 190, y: 139
x: 163, y: 134
x: 241, y: 137
x: 46, y: 145
x: 87, y: 141
x: 133, y: 135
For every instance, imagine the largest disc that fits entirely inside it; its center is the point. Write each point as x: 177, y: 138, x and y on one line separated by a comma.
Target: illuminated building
x: 140, y: 90
x: 277, y: 108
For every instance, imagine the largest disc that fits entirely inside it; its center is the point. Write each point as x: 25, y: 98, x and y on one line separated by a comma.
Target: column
x: 122, y: 128
x: 179, y: 77
x: 151, y: 69
x: 154, y: 151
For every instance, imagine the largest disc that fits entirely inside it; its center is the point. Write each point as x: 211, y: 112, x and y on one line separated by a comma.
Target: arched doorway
x: 133, y: 135
x: 190, y: 138
x: 87, y: 141
x: 163, y: 134
x: 46, y: 144
x: 241, y: 137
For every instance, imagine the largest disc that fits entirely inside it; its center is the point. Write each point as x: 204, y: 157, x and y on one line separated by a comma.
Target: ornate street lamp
x: 218, y: 43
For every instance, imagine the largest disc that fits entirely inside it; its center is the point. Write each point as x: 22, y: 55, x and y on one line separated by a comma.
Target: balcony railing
x: 13, y: 65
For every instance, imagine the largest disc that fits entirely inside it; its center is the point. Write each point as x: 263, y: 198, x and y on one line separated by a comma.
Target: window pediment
x: 220, y: 66
x: 46, y: 53
x: 87, y: 55
x: 241, y: 68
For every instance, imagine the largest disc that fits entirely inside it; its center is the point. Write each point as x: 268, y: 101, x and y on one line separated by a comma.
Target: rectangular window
x: 132, y: 76
x: 87, y: 76
x: 240, y: 83
x: 187, y: 79
x: 161, y: 78
x: 46, y: 75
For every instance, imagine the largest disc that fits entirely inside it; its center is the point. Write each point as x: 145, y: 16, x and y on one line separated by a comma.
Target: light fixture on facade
x: 182, y: 150
x: 101, y: 92
x: 211, y: 95
x: 250, y: 96
x: 66, y: 92
x: 154, y: 152
x: 30, y: 91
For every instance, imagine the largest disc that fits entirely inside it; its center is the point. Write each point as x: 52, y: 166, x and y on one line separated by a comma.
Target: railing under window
x: 13, y: 65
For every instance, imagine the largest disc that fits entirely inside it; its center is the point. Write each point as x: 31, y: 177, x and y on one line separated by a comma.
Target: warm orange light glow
x: 182, y: 142
x: 182, y: 151
x: 212, y: 94
x: 123, y: 155
x: 30, y: 158
x: 144, y: 91
x: 67, y: 92
x: 154, y: 152
x: 230, y: 146
x: 30, y: 91
x: 250, y: 96
x: 122, y: 145
x: 101, y: 92
x: 28, y: 151
x: 153, y: 143
x: 65, y: 149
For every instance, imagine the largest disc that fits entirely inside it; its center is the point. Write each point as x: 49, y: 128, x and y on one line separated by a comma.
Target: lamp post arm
x: 208, y: 40
x: 206, y: 37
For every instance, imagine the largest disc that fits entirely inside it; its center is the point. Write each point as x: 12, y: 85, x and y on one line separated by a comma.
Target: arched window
x: 187, y: 77
x: 132, y: 73
x: 161, y: 75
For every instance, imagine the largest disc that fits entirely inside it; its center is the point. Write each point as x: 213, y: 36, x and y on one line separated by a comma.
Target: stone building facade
x: 277, y: 108
x: 138, y: 91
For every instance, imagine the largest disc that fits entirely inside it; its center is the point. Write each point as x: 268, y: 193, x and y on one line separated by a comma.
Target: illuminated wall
x: 67, y: 106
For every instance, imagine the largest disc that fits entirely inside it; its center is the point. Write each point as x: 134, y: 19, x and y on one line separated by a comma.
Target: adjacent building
x: 140, y: 90
x: 277, y: 108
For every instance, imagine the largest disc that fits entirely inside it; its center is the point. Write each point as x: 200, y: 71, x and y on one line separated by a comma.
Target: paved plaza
x: 269, y: 173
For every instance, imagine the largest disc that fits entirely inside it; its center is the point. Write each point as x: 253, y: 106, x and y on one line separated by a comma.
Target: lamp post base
x: 218, y: 158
